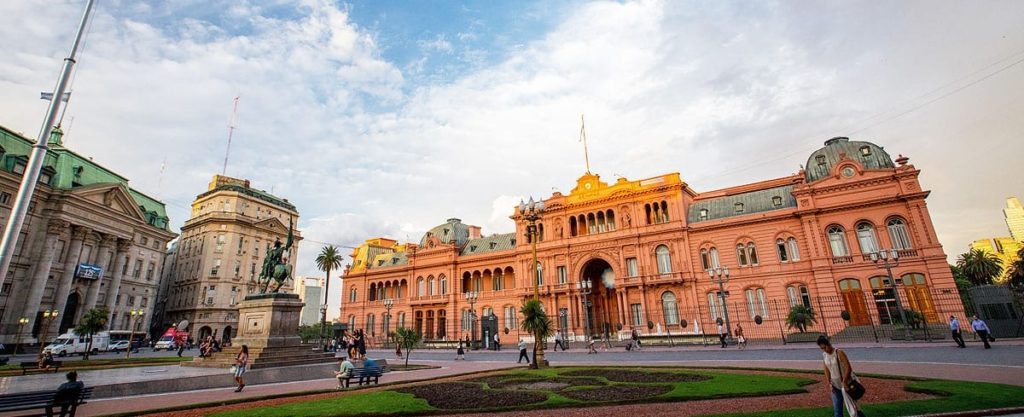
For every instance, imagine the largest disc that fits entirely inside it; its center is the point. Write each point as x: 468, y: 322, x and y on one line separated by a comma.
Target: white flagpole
x: 35, y: 160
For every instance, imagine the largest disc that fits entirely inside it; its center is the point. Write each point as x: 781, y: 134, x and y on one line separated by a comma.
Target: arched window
x: 704, y: 260
x: 713, y: 252
x: 866, y: 237
x: 664, y: 259
x: 582, y: 224
x: 497, y: 281
x: 444, y: 285
x: 372, y: 294
x: 380, y: 291
x: 421, y: 287
x: 780, y: 247
x: 601, y: 226
x: 466, y: 318
x: 741, y: 254
x: 352, y: 321
x: 540, y: 232
x: 370, y: 322
x: 837, y: 241
x: 898, y: 234
x: 669, y: 308
x: 572, y: 226
x: 511, y: 322
x: 798, y: 294
x: 611, y: 220
x: 431, y: 286
x: 540, y: 273
x: 752, y: 254
x: 794, y: 252
x: 401, y: 320
x: 714, y: 305
x: 664, y: 212
x: 648, y: 215
x: 757, y: 303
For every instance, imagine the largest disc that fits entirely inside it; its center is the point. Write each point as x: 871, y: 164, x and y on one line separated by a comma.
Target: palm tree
x: 328, y: 259
x: 1016, y: 270
x: 94, y: 321
x: 800, y: 316
x: 981, y: 267
x: 537, y: 323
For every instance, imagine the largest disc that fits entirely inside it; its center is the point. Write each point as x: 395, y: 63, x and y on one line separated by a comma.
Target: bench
x: 364, y: 374
x: 41, y: 400
x: 34, y: 367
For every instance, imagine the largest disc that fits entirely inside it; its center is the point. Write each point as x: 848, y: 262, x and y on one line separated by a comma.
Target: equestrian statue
x: 275, y: 265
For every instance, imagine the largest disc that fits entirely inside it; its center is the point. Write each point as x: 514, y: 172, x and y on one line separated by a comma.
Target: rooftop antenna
x: 583, y: 138
x: 231, y: 131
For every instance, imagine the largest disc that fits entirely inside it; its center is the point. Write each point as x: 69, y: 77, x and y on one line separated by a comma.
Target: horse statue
x: 275, y: 265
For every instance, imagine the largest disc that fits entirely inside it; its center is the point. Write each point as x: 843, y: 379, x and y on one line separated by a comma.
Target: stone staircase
x: 266, y: 357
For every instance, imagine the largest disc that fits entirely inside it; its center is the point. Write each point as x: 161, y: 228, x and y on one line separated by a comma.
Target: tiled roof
x: 491, y: 243
x: 385, y: 260
x: 452, y: 229
x: 752, y: 202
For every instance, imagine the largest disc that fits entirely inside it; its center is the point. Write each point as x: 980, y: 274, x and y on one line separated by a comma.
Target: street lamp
x: 889, y: 259
x: 48, y: 317
x: 388, y: 304
x: 22, y: 322
x: 585, y: 286
x: 471, y: 298
x: 720, y: 276
x: 531, y: 212
x: 135, y: 316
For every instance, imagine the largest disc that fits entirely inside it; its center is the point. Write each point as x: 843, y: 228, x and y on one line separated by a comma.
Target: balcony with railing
x: 839, y: 260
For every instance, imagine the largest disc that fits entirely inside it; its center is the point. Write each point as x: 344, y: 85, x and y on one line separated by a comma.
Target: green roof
x: 821, y: 162
x: 70, y: 170
x: 252, y: 192
x: 759, y: 201
x: 452, y: 229
x: 493, y: 243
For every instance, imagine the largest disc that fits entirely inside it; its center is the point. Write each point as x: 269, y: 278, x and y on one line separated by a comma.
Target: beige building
x: 220, y: 253
x: 311, y: 292
x: 88, y: 240
x: 1014, y: 214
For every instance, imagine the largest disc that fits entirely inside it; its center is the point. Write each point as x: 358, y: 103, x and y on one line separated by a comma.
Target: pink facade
x: 645, y: 246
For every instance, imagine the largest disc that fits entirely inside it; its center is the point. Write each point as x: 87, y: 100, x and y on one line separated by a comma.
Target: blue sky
x: 381, y: 118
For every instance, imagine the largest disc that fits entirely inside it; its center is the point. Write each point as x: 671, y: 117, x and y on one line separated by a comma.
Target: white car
x: 118, y: 346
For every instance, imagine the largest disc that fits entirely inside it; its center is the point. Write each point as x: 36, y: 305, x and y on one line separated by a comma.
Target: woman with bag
x: 846, y: 387
x: 241, y: 361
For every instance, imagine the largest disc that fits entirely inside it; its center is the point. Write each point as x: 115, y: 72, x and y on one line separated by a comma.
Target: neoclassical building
x: 218, y: 258
x: 645, y: 246
x: 88, y: 240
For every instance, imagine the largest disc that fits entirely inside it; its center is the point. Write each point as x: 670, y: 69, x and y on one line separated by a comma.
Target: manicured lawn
x: 561, y: 387
x: 956, y: 396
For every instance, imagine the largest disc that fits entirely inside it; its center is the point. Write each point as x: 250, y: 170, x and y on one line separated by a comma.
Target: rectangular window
x: 238, y: 268
x: 210, y: 294
x: 216, y: 267
x: 563, y: 277
x: 637, y: 312
x: 234, y: 295
x: 150, y: 270
x: 631, y: 267
x: 131, y: 301
x: 220, y: 240
x: 6, y: 289
x: 5, y: 198
x: 138, y: 269
x: 143, y: 302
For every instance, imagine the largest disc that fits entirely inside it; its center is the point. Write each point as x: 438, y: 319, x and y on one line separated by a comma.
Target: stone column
x: 102, y: 259
x: 60, y: 296
x: 123, y: 246
x: 54, y: 229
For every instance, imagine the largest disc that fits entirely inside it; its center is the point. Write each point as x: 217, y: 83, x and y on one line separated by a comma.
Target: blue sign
x: 88, y: 271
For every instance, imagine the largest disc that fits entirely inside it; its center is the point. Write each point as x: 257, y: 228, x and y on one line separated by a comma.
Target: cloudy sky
x: 384, y: 118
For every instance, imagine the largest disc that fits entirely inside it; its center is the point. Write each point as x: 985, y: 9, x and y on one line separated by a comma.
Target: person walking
x: 722, y: 334
x: 839, y: 374
x: 522, y: 352
x: 241, y: 361
x: 954, y: 328
x: 558, y: 341
x: 460, y: 353
x: 982, y: 330
x: 741, y: 341
x: 497, y: 342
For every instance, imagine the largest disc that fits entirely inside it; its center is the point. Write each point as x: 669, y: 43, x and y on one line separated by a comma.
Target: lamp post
x: 563, y: 316
x: 720, y: 276
x: 135, y: 315
x: 531, y: 212
x: 585, y: 287
x: 889, y: 259
x: 48, y: 317
x: 471, y: 298
x: 21, y: 328
x: 388, y: 304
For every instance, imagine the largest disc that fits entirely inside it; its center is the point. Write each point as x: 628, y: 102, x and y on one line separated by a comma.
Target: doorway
x: 603, y: 312
x: 67, y: 319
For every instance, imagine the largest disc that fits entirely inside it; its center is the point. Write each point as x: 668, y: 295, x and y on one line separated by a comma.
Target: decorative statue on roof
x: 275, y: 265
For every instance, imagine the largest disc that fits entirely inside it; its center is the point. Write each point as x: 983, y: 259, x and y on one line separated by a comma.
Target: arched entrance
x: 226, y: 338
x: 205, y: 332
x: 67, y: 319
x: 603, y: 312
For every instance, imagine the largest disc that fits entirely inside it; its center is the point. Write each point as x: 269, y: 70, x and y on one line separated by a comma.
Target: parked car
x: 72, y: 344
x: 118, y: 346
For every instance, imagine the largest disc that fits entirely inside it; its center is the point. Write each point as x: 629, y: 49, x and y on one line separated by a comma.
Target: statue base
x: 268, y: 326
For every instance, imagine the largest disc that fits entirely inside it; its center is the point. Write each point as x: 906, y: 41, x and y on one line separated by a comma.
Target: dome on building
x: 820, y: 163
x: 451, y: 229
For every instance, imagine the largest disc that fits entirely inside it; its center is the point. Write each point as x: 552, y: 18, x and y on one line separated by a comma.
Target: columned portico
x: 78, y: 234
x: 54, y: 229
x: 121, y: 259
x: 106, y: 247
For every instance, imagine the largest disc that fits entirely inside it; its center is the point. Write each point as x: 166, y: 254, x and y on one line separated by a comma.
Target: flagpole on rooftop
x: 35, y: 160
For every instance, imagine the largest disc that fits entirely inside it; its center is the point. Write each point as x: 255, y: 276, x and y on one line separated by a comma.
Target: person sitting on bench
x: 344, y: 372
x: 67, y: 395
x: 46, y: 361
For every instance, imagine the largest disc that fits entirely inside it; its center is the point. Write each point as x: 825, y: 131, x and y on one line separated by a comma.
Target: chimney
x: 474, y: 232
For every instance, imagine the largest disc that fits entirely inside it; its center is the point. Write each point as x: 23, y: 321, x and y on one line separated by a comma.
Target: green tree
x: 328, y: 260
x: 980, y: 267
x: 536, y: 322
x: 309, y: 332
x: 94, y: 321
x: 800, y: 316
x: 407, y: 339
x: 1016, y: 270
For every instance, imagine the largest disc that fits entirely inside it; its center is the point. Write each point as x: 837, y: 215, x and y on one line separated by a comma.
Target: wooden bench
x: 34, y: 367
x: 364, y: 374
x: 43, y: 401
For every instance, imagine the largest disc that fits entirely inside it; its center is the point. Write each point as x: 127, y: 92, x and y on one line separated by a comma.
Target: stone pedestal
x: 268, y: 325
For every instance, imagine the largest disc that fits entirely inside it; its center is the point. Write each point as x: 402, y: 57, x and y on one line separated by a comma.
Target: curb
x: 977, y: 413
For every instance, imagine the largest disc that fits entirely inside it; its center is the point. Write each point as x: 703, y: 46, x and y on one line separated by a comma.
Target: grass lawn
x: 106, y: 363
x: 393, y: 402
x: 955, y: 396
